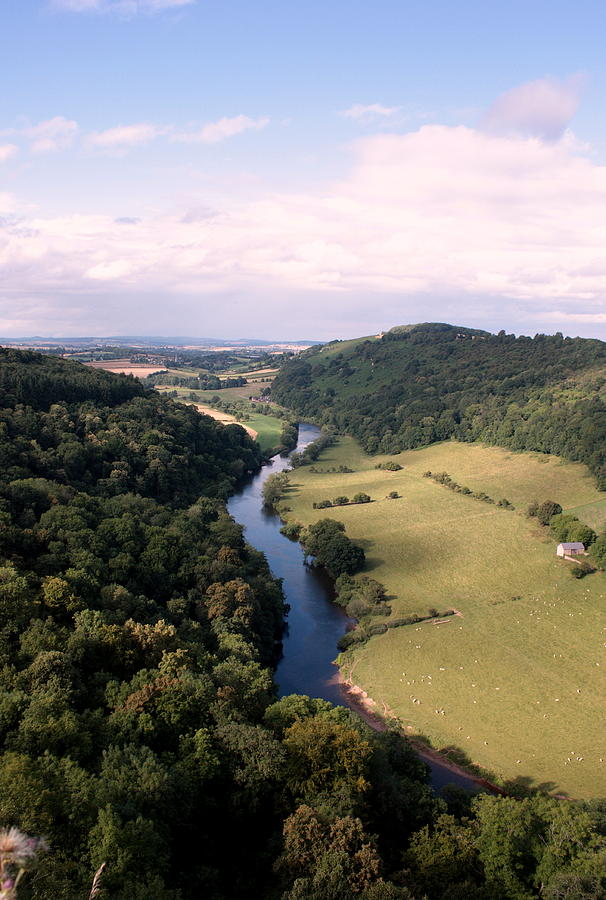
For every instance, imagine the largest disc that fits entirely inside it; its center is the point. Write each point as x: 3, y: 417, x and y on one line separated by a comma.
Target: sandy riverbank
x: 224, y: 418
x: 358, y: 700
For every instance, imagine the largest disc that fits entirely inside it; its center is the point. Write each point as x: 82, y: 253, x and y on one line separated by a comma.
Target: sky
x: 312, y: 170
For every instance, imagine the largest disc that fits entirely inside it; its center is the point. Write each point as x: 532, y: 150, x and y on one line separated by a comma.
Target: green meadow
x: 268, y: 429
x: 515, y: 683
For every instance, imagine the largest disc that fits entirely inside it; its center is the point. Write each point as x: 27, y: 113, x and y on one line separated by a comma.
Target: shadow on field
x: 372, y: 562
x: 363, y: 543
x: 520, y: 786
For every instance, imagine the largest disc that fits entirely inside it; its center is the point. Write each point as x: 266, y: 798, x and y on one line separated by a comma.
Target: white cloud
x: 214, y: 132
x: 124, y: 136
x: 123, y: 7
x: 541, y: 108
x: 6, y: 151
x: 154, y: 5
x: 371, y: 111
x: 440, y: 218
x: 77, y: 5
x: 51, y: 135
x: 8, y: 203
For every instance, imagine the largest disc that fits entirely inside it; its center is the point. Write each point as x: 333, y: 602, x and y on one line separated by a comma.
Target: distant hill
x: 417, y: 384
x: 150, y: 341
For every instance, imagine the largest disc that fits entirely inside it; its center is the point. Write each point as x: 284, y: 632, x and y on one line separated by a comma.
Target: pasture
x: 233, y: 393
x: 264, y: 374
x: 516, y: 682
x: 125, y: 367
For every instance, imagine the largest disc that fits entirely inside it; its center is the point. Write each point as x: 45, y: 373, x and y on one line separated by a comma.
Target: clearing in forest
x: 516, y: 683
x: 244, y: 392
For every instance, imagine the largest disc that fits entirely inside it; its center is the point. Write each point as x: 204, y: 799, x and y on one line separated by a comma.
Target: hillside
x: 423, y: 383
x: 497, y: 684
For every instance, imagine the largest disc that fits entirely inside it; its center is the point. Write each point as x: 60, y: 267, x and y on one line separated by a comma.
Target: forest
x: 139, y: 722
x: 419, y: 384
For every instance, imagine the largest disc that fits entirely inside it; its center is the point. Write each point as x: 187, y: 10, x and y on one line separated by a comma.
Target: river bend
x: 315, y: 623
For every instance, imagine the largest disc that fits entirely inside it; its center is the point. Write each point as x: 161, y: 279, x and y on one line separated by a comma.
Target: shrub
x: 274, y: 488
x: 357, y: 636
x: 378, y: 628
x: 581, y: 570
x: 406, y: 620
x: 598, y: 551
x: 361, y: 498
x: 291, y: 530
x: 357, y: 608
x: 566, y: 527
x: 393, y: 495
x: 547, y: 510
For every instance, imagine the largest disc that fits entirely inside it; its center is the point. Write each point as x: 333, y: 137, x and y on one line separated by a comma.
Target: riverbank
x: 315, y: 623
x: 359, y: 702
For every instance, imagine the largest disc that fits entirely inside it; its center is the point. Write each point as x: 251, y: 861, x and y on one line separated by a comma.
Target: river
x: 315, y: 623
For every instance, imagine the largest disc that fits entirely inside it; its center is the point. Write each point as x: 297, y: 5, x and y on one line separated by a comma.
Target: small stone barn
x: 570, y: 548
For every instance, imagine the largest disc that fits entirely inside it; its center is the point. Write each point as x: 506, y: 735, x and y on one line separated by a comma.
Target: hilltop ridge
x: 426, y: 382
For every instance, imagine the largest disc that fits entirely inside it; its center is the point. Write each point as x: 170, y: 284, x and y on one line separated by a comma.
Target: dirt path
x: 366, y: 708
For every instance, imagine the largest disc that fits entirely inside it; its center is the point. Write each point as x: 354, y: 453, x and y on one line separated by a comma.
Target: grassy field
x: 124, y: 367
x: 266, y: 373
x: 233, y: 393
x: 516, y: 682
x: 268, y: 429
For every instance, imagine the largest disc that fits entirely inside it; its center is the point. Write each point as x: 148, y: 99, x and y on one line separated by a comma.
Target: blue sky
x: 315, y: 170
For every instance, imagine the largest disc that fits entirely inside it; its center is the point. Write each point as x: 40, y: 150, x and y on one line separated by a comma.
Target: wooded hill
x: 423, y: 383
x: 139, y: 725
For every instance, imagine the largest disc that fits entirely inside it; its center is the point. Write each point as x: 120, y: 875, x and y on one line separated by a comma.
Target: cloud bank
x: 371, y: 111
x: 124, y: 136
x: 123, y: 7
x: 51, y: 135
x: 60, y: 133
x: 7, y: 151
x: 214, y: 132
x: 541, y: 108
x: 437, y: 212
x: 503, y: 224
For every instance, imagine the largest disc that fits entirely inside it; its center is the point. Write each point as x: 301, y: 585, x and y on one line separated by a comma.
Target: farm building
x: 570, y: 548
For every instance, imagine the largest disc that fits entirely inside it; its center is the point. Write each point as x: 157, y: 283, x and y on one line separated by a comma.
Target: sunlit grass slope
x: 517, y: 681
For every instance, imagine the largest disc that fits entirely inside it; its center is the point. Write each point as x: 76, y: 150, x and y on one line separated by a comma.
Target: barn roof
x: 572, y: 545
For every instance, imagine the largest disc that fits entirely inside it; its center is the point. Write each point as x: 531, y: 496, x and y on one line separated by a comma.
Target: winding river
x: 315, y: 623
